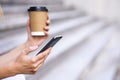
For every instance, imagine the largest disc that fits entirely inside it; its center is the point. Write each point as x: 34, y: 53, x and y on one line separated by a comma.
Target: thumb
x: 27, y: 50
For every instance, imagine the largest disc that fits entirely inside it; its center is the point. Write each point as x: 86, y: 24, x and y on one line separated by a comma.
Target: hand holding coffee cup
x: 38, y: 17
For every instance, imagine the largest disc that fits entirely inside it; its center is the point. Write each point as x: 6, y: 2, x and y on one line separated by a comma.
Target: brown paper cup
x: 38, y: 17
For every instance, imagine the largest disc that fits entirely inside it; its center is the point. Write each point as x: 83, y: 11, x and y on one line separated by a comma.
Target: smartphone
x: 51, y: 43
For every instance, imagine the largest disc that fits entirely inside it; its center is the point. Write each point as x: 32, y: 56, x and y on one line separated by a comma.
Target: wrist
x: 12, y: 69
x: 6, y: 71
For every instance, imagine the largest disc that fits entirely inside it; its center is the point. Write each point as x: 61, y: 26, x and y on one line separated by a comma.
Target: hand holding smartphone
x: 50, y: 43
x: 47, y: 45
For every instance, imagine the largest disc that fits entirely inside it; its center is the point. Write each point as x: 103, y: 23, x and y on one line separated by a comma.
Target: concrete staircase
x: 89, y: 49
x: 75, y: 59
x: 21, y: 2
x: 20, y: 7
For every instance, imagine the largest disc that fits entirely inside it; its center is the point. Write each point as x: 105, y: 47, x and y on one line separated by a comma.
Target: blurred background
x: 90, y: 47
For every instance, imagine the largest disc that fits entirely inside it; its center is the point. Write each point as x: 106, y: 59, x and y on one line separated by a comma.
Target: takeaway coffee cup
x: 38, y: 17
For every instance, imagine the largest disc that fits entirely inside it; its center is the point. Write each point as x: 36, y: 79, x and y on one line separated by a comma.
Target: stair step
x: 22, y: 9
x: 109, y: 57
x: 52, y: 2
x: 10, y: 22
x: 20, y: 38
x: 73, y: 59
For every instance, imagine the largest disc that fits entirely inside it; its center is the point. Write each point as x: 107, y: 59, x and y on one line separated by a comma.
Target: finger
x: 28, y: 23
x: 48, y: 53
x: 30, y: 72
x: 46, y: 28
x: 48, y: 22
x: 39, y: 66
x: 29, y: 49
x: 46, y: 56
x: 39, y: 62
x: 34, y: 69
x: 50, y: 48
x: 39, y: 57
x: 28, y: 28
x: 42, y: 55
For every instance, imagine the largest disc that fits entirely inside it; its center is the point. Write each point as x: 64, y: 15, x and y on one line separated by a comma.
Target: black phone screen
x: 51, y: 43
